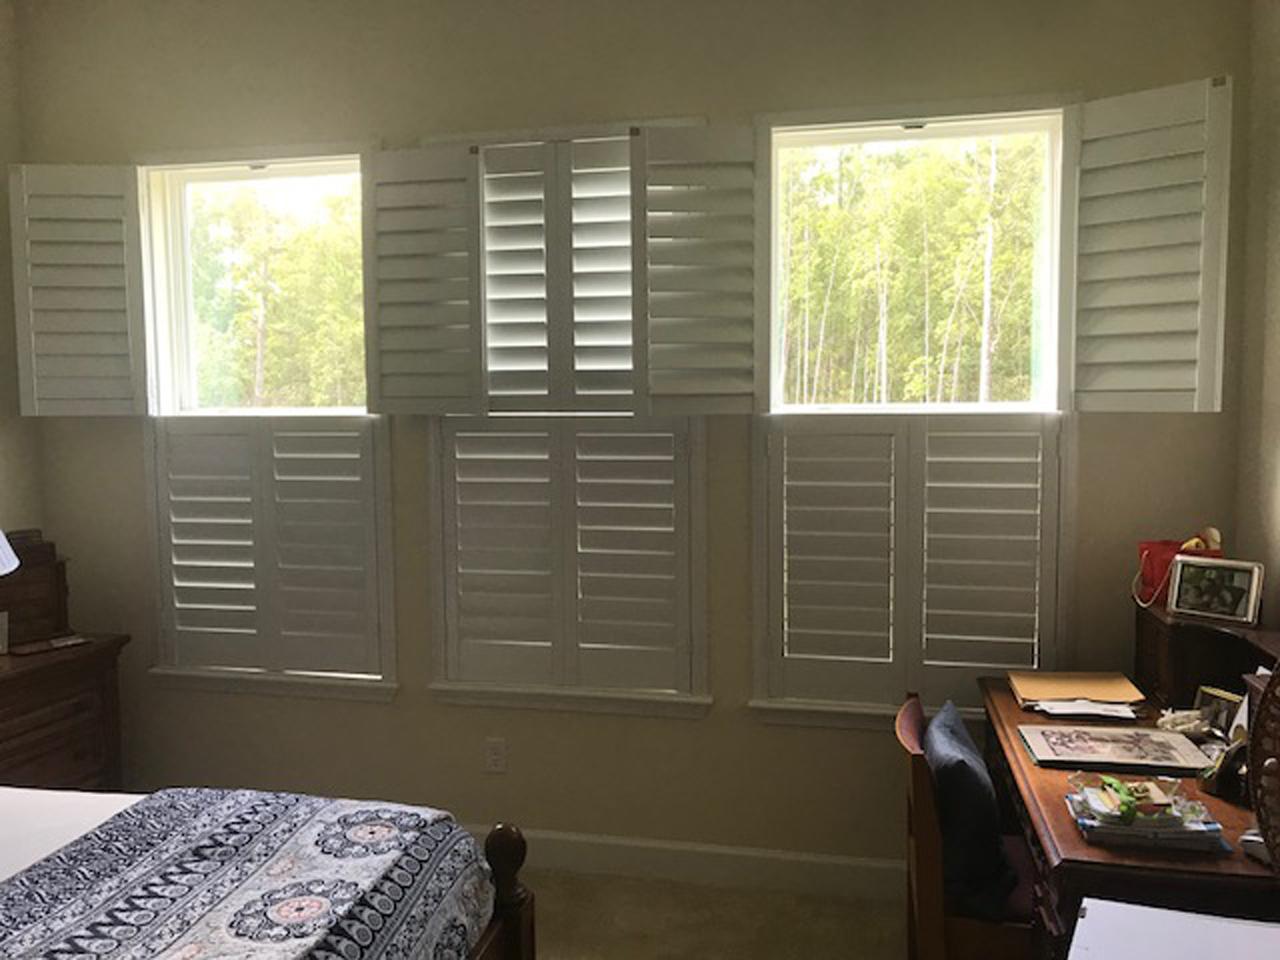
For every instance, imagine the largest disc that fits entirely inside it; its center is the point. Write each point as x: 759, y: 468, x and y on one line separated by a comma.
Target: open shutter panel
x: 837, y: 491
x: 631, y: 554
x: 211, y: 525
x: 1151, y: 249
x: 502, y: 552
x: 990, y: 547
x: 321, y: 500
x: 693, y: 211
x: 78, y: 295
x: 423, y: 319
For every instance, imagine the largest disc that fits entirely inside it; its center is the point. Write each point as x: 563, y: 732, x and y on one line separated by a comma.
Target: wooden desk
x: 1069, y: 868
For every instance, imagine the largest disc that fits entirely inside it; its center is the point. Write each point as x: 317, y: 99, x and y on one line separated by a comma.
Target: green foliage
x: 277, y: 295
x: 884, y: 269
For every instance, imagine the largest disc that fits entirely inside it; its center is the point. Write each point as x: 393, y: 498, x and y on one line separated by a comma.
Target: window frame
x: 1062, y: 109
x: 166, y: 254
x: 689, y: 704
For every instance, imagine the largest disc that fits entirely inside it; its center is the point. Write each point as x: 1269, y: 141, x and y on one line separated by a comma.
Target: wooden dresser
x: 59, y: 717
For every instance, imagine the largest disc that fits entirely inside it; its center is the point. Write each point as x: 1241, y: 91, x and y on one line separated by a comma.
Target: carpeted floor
x: 613, y: 918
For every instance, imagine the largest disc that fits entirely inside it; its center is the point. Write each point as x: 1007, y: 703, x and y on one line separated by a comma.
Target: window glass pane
x: 914, y: 267
x: 275, y: 288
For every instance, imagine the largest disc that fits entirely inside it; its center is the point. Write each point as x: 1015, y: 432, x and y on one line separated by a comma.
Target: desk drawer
x: 55, y: 742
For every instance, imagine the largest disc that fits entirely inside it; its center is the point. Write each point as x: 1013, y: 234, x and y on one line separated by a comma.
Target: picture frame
x: 1216, y: 589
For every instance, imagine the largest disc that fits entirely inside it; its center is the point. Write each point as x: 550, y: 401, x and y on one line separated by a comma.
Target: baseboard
x: 848, y: 878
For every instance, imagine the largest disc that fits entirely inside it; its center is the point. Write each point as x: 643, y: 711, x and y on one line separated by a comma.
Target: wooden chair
x: 932, y: 933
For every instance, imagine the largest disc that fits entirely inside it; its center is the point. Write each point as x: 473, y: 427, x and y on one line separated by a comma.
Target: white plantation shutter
x: 517, y: 325
x: 78, y: 295
x: 270, y: 544
x: 558, y: 275
x: 423, y: 318
x: 908, y: 553
x: 693, y: 214
x: 568, y: 553
x: 990, y: 549
x: 1151, y: 248
x: 632, y: 556
x: 603, y: 368
x: 503, y: 567
x: 837, y: 492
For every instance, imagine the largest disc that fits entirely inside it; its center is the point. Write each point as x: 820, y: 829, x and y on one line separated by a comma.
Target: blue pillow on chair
x: 978, y: 878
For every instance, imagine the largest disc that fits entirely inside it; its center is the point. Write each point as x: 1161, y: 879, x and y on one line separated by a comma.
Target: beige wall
x: 1259, y: 478
x: 19, y: 439
x: 113, y: 80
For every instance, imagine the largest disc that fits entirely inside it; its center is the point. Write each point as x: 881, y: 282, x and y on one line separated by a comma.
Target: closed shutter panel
x: 504, y: 564
x: 990, y: 546
x: 631, y: 555
x: 270, y: 544
x: 837, y: 545
x: 211, y: 527
x: 1152, y: 234
x: 325, y: 538
x: 603, y: 376
x: 78, y: 295
x: 423, y: 317
x: 517, y: 180
x: 693, y: 210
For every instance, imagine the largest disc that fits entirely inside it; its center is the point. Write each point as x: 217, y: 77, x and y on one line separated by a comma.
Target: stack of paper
x: 1202, y: 834
x: 1104, y: 695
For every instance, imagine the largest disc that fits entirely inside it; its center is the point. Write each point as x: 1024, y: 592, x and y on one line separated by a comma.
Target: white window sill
x: 637, y: 703
x: 275, y: 684
x: 830, y: 713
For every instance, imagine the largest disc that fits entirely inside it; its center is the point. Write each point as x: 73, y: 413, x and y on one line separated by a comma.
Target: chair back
x: 926, y: 909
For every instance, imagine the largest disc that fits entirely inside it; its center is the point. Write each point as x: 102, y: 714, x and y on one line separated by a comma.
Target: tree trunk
x: 925, y: 214
x: 260, y: 340
x: 882, y: 338
x: 984, y: 354
x: 822, y: 331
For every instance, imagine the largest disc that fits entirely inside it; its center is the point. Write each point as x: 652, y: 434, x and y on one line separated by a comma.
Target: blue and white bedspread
x: 219, y: 874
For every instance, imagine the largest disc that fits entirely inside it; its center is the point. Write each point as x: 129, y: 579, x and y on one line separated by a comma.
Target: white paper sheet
x: 1108, y: 930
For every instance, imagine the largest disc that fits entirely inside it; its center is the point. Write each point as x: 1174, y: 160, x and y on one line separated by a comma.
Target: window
x: 274, y: 544
x: 257, y: 273
x: 915, y: 264
x: 572, y: 556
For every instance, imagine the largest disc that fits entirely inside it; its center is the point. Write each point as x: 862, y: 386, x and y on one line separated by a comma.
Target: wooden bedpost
x: 505, y: 849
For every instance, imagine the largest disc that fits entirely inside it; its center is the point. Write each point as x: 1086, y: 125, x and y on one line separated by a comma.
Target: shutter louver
x: 1151, y: 244
x: 211, y: 526
x: 603, y: 377
x: 990, y: 520
x: 78, y: 290
x: 837, y: 490
x: 501, y: 540
x: 516, y: 183
x: 693, y: 211
x: 632, y: 557
x: 325, y: 539
x: 269, y: 537
x: 423, y: 317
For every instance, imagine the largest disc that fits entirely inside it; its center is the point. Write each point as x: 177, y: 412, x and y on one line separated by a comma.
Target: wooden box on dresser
x: 60, y: 718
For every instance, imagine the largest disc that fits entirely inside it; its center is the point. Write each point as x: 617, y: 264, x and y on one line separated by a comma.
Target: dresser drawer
x: 58, y: 741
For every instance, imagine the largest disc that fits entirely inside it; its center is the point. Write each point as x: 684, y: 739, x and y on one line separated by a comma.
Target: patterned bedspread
x: 199, y: 874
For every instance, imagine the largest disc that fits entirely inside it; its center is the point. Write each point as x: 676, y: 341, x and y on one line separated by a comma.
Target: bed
x: 200, y: 873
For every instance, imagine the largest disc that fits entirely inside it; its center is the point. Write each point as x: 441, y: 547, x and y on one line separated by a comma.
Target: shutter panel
x: 211, y: 530
x: 1151, y: 249
x: 603, y: 375
x: 518, y: 198
x: 837, y: 487
x: 423, y: 319
x: 503, y: 569
x: 78, y: 290
x: 325, y: 537
x: 693, y: 212
x: 631, y: 554
x: 990, y: 548
x: 269, y: 539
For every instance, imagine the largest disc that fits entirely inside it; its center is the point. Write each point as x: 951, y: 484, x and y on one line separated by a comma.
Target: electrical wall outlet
x: 495, y: 755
